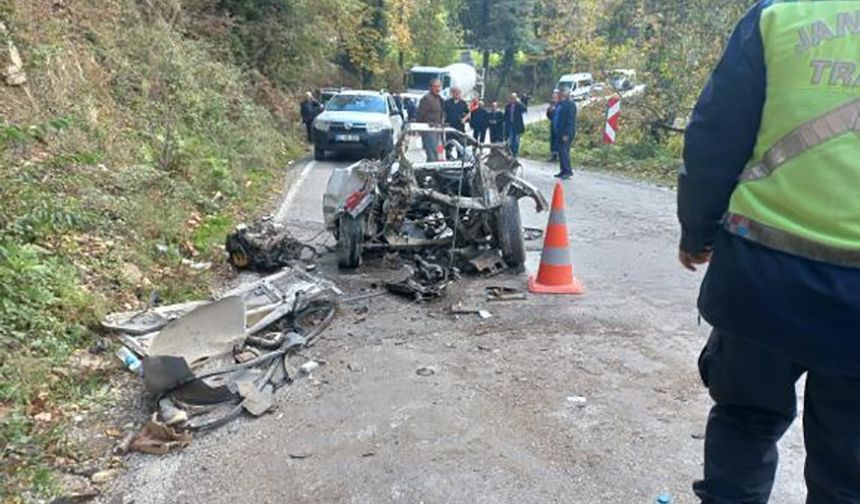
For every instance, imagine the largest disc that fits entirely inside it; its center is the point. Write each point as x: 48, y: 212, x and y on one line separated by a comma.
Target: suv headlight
x: 375, y: 126
x: 322, y: 125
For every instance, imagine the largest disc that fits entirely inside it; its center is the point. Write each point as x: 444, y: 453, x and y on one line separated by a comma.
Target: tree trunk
x: 507, y: 64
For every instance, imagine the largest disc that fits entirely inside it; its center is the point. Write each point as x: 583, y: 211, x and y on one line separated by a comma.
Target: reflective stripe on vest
x: 800, y: 192
x: 790, y: 243
x: 810, y: 134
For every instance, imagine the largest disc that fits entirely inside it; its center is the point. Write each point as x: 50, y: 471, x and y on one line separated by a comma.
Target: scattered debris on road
x: 207, y: 362
x: 469, y: 310
x: 425, y: 371
x: 501, y: 293
x: 532, y: 234
x: 579, y: 401
x: 266, y: 246
x: 158, y: 439
x: 424, y: 280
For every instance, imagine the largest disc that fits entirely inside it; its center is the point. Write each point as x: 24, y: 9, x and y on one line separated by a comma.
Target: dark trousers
x: 480, y: 134
x: 564, y: 158
x: 514, y: 143
x: 753, y: 389
x: 553, y: 141
x: 308, y: 130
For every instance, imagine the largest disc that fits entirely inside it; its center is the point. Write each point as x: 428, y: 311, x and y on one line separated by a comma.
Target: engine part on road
x: 424, y: 280
x: 265, y: 246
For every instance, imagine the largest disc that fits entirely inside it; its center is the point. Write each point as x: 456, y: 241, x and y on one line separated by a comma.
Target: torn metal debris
x: 500, y: 293
x: 265, y: 246
x: 208, y: 365
x: 424, y: 280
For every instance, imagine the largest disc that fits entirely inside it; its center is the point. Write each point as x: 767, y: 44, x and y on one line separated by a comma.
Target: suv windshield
x: 357, y: 103
x: 566, y: 85
x: 421, y: 80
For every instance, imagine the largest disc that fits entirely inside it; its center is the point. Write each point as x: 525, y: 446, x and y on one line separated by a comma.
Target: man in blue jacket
x: 770, y: 195
x: 564, y: 126
x: 515, y: 125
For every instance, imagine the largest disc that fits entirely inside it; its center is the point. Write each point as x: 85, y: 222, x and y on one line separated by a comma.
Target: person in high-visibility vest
x: 769, y: 195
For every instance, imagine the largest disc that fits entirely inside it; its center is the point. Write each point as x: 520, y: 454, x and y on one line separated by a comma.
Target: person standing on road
x: 456, y: 114
x: 564, y: 124
x: 480, y: 121
x: 431, y: 111
x: 456, y: 110
x: 398, y: 100
x: 514, y: 123
x: 309, y: 108
x: 409, y: 106
x: 496, y: 123
x: 768, y: 196
x: 525, y: 100
x: 550, y: 115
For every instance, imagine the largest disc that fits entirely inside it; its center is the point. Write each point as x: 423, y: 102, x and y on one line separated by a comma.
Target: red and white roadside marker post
x: 613, y: 113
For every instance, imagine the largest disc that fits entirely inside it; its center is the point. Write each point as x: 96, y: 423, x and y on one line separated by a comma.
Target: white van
x: 579, y: 85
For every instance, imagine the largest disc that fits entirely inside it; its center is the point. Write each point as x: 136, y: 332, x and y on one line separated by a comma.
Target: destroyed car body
x: 468, y: 205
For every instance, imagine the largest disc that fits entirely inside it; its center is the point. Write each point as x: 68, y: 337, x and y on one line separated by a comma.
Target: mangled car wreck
x: 467, y: 207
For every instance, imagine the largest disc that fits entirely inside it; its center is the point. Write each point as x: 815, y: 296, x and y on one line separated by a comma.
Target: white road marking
x: 294, y: 190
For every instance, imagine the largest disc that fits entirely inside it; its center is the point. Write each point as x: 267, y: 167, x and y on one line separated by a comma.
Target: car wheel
x: 349, y: 243
x: 509, y: 231
x: 319, y: 154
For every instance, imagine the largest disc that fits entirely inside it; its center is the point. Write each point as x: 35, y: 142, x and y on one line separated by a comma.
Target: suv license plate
x: 346, y: 138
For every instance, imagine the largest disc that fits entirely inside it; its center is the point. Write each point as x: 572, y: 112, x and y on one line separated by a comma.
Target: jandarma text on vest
x: 847, y: 23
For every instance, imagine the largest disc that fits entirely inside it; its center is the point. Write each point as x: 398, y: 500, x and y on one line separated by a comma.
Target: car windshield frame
x: 374, y: 104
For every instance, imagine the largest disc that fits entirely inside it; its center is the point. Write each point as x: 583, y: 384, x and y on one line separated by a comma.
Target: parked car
x: 622, y: 79
x: 579, y: 85
x: 366, y: 122
x: 400, y: 204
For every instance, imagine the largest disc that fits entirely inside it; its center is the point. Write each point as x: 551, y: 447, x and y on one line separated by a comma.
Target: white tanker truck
x: 460, y: 75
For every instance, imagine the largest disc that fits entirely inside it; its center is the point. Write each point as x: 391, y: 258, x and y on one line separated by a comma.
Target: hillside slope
x: 129, y: 141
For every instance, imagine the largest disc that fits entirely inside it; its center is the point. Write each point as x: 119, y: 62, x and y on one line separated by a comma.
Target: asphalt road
x: 502, y: 419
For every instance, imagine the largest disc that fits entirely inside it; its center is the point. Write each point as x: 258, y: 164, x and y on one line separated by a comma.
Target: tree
x: 367, y: 45
x: 498, y: 25
x: 400, y: 14
x: 434, y: 41
x: 283, y: 38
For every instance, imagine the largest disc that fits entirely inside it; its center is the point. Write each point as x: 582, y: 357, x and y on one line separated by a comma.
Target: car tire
x: 349, y: 243
x: 319, y: 153
x: 509, y: 230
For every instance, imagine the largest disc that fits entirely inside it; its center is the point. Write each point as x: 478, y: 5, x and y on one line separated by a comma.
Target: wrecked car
x: 467, y: 206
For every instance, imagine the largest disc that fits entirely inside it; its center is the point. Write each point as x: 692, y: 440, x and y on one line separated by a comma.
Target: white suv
x: 368, y: 122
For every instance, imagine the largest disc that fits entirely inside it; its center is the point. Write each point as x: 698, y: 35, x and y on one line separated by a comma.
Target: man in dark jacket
x: 768, y: 196
x: 309, y: 109
x: 564, y: 124
x: 496, y: 123
x: 456, y: 110
x: 550, y: 115
x: 480, y: 121
x: 411, y: 110
x: 431, y: 111
x: 456, y: 114
x: 514, y: 123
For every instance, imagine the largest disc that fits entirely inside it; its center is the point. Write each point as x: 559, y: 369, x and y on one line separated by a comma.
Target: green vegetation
x: 132, y: 146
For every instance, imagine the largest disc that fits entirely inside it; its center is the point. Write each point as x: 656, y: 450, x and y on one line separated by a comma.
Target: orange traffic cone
x: 555, y: 274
